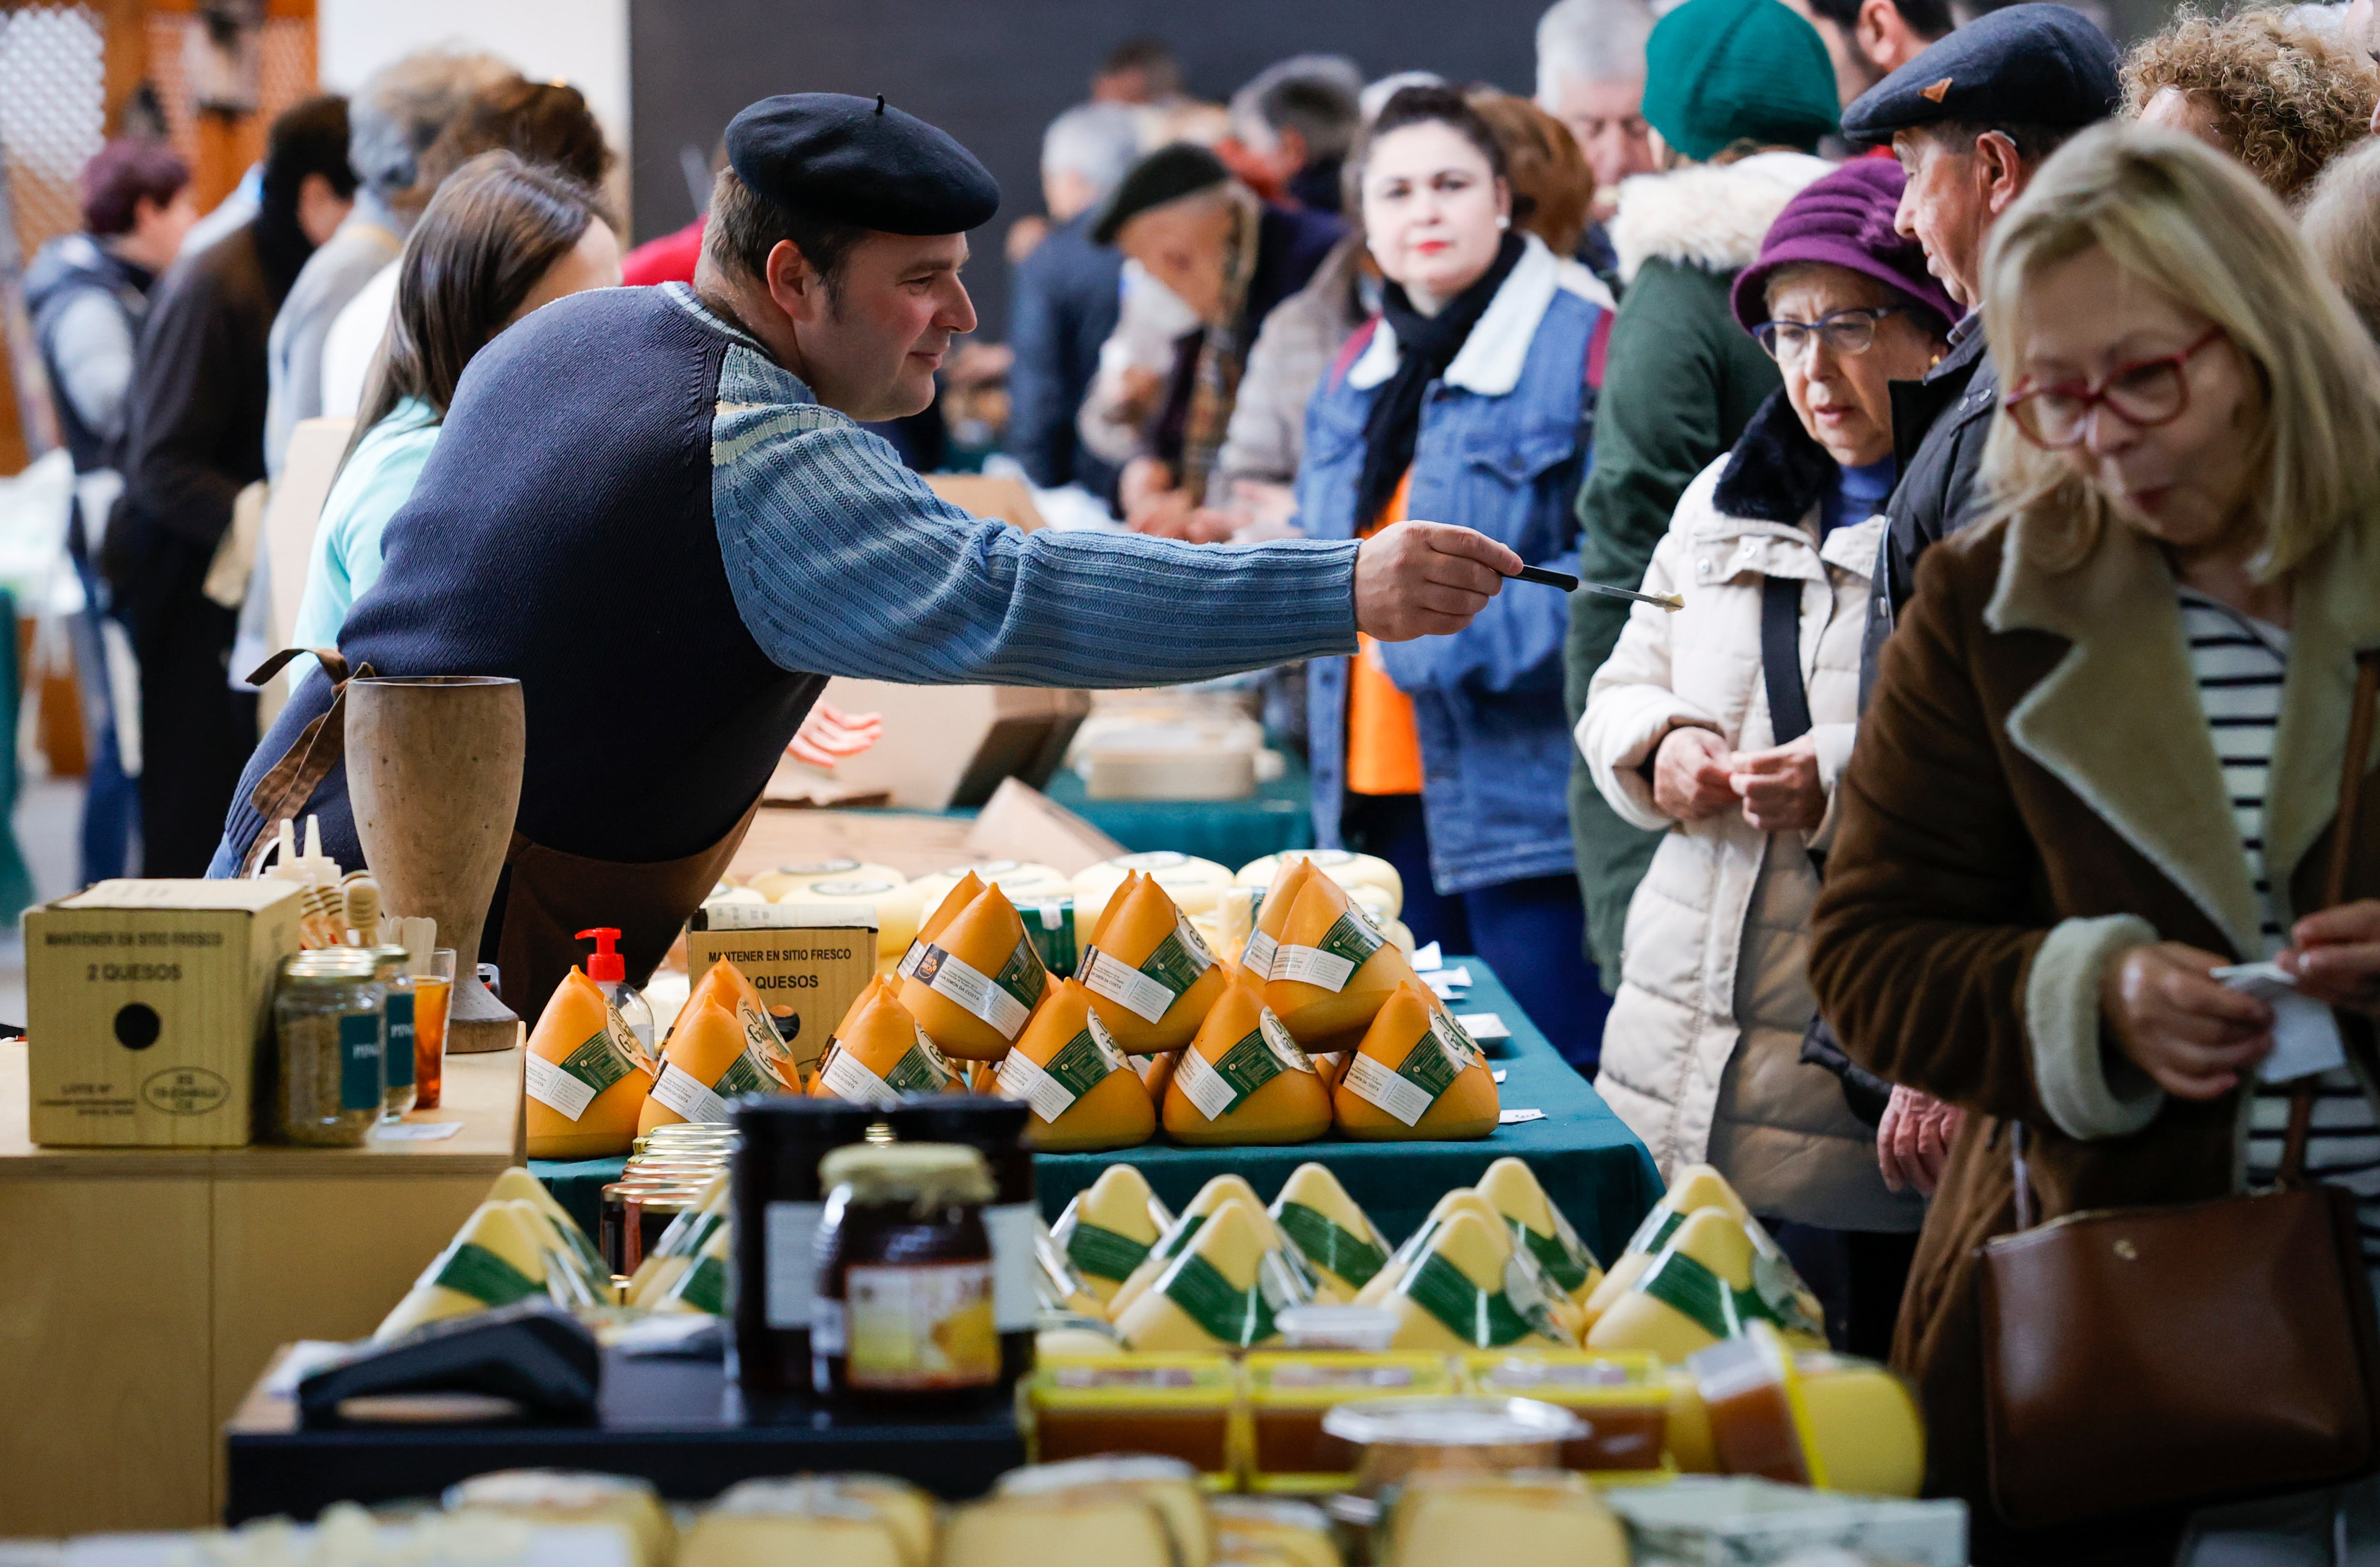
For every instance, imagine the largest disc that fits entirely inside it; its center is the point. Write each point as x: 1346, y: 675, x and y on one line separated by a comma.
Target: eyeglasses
x: 2145, y: 393
x: 1846, y: 334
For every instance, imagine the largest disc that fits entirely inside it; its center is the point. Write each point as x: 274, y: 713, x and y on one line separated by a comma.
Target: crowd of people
x: 1833, y: 856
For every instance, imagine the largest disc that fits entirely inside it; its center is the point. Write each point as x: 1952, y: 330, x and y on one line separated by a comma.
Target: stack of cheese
x: 1371, y: 883
x: 1698, y: 1271
x: 687, y: 1269
x: 628, y: 1506
x: 517, y: 1244
x: 818, y: 1520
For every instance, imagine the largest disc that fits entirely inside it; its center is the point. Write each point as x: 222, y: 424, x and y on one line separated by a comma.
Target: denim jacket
x: 1505, y: 439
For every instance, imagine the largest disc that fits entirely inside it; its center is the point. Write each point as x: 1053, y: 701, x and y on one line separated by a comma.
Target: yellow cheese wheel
x: 495, y: 1260
x: 1535, y: 1516
x: 1331, y: 971
x: 1209, y: 1297
x: 1295, y: 1533
x: 1194, y: 884
x: 1511, y: 1186
x: 557, y: 1496
x: 1349, y: 870
x: 708, y: 1049
x: 774, y: 884
x: 1416, y: 1063
x: 1446, y: 1300
x: 879, y: 1054
x: 1696, y: 1186
x: 1866, y: 1425
x: 1338, y: 1238
x: 977, y: 981
x: 1145, y: 959
x: 1166, y: 1485
x: 1243, y: 1080
x: 1109, y: 1227
x: 1217, y: 1191
x: 898, y: 906
x: 1714, y: 1244
x: 588, y: 1077
x: 1066, y: 1058
x: 1073, y: 1529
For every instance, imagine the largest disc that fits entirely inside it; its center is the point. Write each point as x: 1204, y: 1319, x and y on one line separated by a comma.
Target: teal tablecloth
x: 1589, y: 1162
x: 1279, y: 815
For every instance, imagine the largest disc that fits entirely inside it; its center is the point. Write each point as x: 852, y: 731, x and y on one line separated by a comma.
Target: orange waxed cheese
x: 587, y: 1077
x: 1157, y: 1072
x: 1242, y: 1081
x: 706, y: 1061
x: 964, y: 891
x: 727, y: 984
x: 1416, y: 1076
x: 1065, y: 1062
x: 1150, y: 976
x: 879, y: 1054
x: 1332, y: 971
x: 976, y: 982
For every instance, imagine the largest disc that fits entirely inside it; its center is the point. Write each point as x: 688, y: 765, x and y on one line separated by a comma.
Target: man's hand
x: 1426, y: 579
x: 2194, y: 1035
x: 1691, y: 781
x: 1780, y: 787
x: 2336, y: 956
x: 1913, y: 1141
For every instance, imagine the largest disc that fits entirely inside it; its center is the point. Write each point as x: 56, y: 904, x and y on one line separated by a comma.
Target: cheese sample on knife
x: 1243, y: 1080
x: 708, y: 1062
x: 879, y: 1054
x: 1225, y: 1291
x: 587, y: 1079
x: 977, y: 980
x: 1332, y: 971
x: 1178, y: 1234
x: 1336, y: 1237
x: 1150, y: 975
x: 1469, y: 1289
x: 1512, y: 1187
x: 1084, y: 1095
x: 1417, y: 1075
x: 495, y: 1260
x: 1107, y: 1230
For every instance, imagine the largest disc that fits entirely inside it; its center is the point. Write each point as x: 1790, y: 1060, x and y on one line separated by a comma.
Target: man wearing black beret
x: 1971, y: 119
x: 655, y: 509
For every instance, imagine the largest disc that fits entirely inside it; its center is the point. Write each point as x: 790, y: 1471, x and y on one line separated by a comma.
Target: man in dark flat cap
x: 655, y: 509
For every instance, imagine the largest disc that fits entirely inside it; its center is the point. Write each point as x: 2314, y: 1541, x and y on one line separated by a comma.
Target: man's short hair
x: 1318, y: 97
x: 2034, y: 142
x: 1590, y: 41
x: 1152, y: 57
x: 1099, y: 141
x: 744, y: 226
x: 1929, y: 19
x: 404, y: 106
x: 120, y: 175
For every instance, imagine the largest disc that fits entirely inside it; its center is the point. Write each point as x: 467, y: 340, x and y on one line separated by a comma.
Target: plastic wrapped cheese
x: 1167, y: 1486
x: 1333, y: 970
x: 1194, y: 884
x: 1544, y: 1518
x: 1223, y: 1291
x: 1243, y: 1080
x: 559, y: 1496
x: 775, y: 884
x: 1349, y: 870
x: 1417, y: 1075
x: 1695, y: 1186
x: 977, y: 980
x: 1084, y: 1095
x: 517, y: 1185
x: 706, y: 1065
x: 1337, y: 1238
x: 1457, y: 1201
x: 1808, y: 1418
x: 1150, y: 974
x: 701, y: 1285
x: 1217, y: 1191
x: 817, y: 1520
x: 495, y: 1260
x: 1512, y: 1187
x: 587, y: 1076
x: 879, y: 1054
x: 1716, y: 1274
x: 1107, y: 1230
x: 674, y: 1252
x: 1469, y: 1289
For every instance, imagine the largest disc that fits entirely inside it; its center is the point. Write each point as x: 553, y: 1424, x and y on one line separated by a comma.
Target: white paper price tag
x: 847, y: 1079
x: 1256, y: 956
x: 1204, y: 1085
x: 1021, y: 1079
x: 1375, y: 1084
x: 558, y: 1091
x: 678, y: 1089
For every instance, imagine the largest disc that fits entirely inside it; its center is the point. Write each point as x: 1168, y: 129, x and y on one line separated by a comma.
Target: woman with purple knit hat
x: 1727, y: 720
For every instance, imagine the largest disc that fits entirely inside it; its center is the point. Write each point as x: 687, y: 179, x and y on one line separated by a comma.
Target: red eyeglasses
x: 2145, y: 393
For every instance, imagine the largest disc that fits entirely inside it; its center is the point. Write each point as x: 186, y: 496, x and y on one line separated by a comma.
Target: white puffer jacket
x: 1702, y: 1054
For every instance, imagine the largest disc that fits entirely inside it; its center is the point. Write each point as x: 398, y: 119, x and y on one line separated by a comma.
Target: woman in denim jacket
x: 1465, y: 401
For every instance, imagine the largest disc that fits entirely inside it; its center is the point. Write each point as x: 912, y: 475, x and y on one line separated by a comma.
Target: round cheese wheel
x: 1349, y: 870
x: 899, y: 906
x: 774, y: 884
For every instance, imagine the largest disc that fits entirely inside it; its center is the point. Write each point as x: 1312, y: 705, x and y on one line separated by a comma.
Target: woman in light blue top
x: 501, y: 239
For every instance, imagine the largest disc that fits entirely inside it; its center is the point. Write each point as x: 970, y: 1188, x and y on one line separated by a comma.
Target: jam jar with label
x: 904, y: 1319
x: 778, y: 1204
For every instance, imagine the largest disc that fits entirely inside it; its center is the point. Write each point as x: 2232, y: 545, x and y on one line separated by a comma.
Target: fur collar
x: 2117, y: 719
x: 1490, y: 359
x: 1706, y: 215
x: 1776, y: 472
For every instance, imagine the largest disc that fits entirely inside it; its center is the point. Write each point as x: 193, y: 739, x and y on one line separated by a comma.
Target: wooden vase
x: 434, y: 777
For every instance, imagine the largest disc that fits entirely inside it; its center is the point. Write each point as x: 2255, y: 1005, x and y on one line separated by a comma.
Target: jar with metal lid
x: 330, y: 1021
x: 903, y: 1316
x: 994, y: 1128
x: 396, y: 1096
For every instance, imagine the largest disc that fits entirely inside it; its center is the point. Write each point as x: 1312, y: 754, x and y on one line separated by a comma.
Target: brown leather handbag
x: 2148, y: 1358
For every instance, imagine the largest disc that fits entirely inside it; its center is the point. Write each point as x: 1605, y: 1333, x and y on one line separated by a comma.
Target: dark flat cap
x: 2023, y: 65
x: 857, y: 160
x: 1169, y: 173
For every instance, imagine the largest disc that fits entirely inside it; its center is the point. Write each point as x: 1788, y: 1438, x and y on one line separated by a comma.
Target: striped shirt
x: 2240, y: 664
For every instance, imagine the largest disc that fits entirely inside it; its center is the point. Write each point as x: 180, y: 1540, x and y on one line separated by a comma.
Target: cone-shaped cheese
x: 1332, y: 971
x: 1195, y: 884
x: 708, y: 1061
x: 702, y: 1284
x: 977, y: 981
x: 1416, y: 1076
x: 1157, y: 1072
x: 726, y: 984
x: 1460, y: 1199
x: 1696, y: 1186
x: 1178, y: 1234
x: 1214, y: 1294
x: 1243, y: 1080
x: 587, y: 1079
x: 880, y: 1054
x: 1330, y: 1067
x: 675, y: 1251
x: 517, y: 1185
x: 1085, y: 1095
x: 1272, y: 919
x: 1511, y: 1186
x: 494, y: 1260
x: 1687, y: 1299
x: 1108, y: 1230
x: 1151, y: 978
x: 1336, y: 1237
x: 1464, y: 1293
x: 1349, y: 870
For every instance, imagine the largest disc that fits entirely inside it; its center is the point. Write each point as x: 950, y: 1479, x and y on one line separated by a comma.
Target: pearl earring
x: 1503, y: 220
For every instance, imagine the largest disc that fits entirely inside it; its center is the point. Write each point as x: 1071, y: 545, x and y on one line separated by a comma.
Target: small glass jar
x: 396, y: 1096
x: 329, y: 1026
x: 902, y: 1320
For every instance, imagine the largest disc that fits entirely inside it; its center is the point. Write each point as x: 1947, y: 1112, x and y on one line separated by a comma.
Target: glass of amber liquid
x: 432, y: 992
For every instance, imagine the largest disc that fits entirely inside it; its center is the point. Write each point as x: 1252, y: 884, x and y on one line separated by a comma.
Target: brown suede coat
x: 2035, y: 789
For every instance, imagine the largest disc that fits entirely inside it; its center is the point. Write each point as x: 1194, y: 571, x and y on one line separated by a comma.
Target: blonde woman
x: 2104, y: 751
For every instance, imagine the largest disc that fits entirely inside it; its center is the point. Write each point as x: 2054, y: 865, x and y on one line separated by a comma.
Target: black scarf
x: 1426, y: 346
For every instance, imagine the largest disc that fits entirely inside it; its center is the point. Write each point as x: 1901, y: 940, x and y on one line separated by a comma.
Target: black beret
x: 1169, y: 173
x: 857, y: 161
x: 2022, y: 65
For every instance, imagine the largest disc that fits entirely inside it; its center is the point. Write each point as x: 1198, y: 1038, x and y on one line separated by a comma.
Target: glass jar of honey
x: 902, y: 1320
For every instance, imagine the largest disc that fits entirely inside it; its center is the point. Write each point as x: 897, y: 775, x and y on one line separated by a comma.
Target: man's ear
x: 1880, y: 33
x: 2000, y: 171
x: 796, y: 287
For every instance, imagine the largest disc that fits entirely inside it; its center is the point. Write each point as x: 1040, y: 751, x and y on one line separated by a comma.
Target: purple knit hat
x: 1845, y: 220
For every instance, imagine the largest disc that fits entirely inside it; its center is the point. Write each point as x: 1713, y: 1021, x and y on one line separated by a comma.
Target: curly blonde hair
x: 2284, y: 100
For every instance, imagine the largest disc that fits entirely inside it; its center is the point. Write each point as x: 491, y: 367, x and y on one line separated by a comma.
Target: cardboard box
x: 809, y: 965
x: 148, y: 1005
x: 947, y: 746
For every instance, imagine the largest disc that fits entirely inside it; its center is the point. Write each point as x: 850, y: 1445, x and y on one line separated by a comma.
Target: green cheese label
x: 1350, y: 936
x: 400, y: 1039
x: 359, y: 1061
x: 1428, y: 1067
x: 1330, y: 1246
x: 1487, y: 1320
x: 1247, y: 1066
x: 601, y: 1061
x: 1565, y: 1267
x: 744, y: 1075
x: 1103, y: 1253
x: 1171, y: 1245
x: 1655, y: 1231
x: 1083, y: 1063
x: 474, y: 1270
x: 1022, y: 975
x: 1179, y: 959
x: 704, y: 1286
x: 1050, y: 926
x: 1234, y: 1315
x: 1686, y: 1286
x: 921, y: 1070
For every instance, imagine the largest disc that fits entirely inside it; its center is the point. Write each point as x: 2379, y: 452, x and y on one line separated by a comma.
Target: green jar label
x: 400, y: 1039
x: 359, y: 1061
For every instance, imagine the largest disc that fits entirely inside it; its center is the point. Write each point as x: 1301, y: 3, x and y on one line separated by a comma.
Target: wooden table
x: 143, y: 1290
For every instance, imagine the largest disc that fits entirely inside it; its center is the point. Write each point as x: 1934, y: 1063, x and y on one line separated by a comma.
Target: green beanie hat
x: 1721, y: 71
